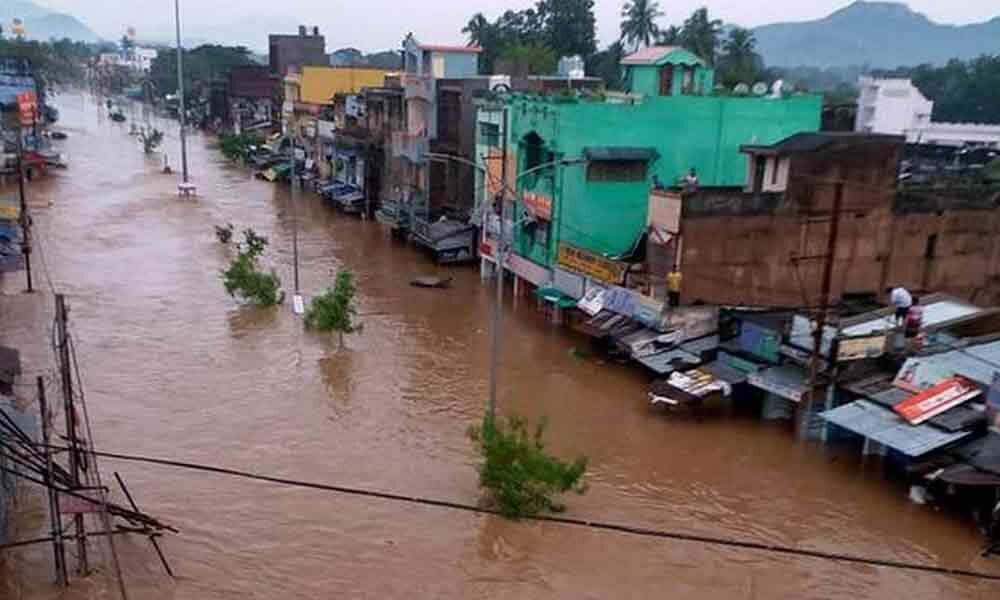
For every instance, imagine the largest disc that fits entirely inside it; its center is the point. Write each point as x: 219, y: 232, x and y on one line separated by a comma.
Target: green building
x: 583, y: 166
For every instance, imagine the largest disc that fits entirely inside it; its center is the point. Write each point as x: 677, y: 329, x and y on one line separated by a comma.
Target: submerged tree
x: 334, y: 310
x: 244, y: 279
x: 522, y: 479
x: 151, y: 139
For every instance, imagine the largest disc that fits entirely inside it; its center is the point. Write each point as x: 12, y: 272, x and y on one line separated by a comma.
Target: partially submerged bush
x: 334, y: 310
x: 522, y: 479
x: 244, y: 279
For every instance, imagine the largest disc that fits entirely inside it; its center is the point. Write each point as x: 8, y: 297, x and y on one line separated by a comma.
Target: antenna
x: 741, y: 89
x: 759, y: 88
x: 776, y: 88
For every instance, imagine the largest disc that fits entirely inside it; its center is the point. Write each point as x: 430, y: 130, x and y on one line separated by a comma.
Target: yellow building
x: 320, y: 84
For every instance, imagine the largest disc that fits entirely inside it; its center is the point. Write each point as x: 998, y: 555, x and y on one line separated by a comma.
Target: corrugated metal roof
x: 975, y: 362
x: 662, y: 363
x: 887, y: 395
x: 936, y: 311
x: 885, y: 427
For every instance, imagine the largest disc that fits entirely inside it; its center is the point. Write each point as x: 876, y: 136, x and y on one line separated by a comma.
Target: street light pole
x: 491, y: 408
x: 180, y: 91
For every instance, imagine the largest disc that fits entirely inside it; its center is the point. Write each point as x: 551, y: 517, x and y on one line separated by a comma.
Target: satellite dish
x: 741, y: 89
x: 759, y: 88
x: 776, y: 88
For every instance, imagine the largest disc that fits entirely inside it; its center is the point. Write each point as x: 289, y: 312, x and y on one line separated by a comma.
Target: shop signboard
x: 936, y: 399
x: 568, y: 283
x: 857, y: 348
x: 648, y: 311
x: 918, y: 374
x: 760, y: 341
x: 10, y: 208
x: 538, y: 204
x: 620, y: 300
x: 592, y: 265
x: 27, y: 105
x: 592, y: 302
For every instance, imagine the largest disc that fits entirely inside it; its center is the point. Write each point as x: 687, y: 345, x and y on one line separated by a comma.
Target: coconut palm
x: 701, y: 35
x: 639, y: 26
x: 739, y: 61
x: 478, y: 29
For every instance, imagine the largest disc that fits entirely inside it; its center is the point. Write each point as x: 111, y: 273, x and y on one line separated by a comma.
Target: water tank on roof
x: 571, y: 67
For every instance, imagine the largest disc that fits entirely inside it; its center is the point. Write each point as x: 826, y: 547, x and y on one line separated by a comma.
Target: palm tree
x: 639, y: 26
x: 478, y: 30
x: 701, y: 35
x: 739, y: 61
x: 671, y: 36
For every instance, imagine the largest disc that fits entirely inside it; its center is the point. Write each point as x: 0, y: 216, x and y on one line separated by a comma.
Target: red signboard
x: 27, y: 104
x: 935, y: 400
x: 540, y: 205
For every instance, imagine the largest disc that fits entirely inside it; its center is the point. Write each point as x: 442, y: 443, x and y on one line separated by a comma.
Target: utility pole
x: 62, y: 339
x: 298, y: 305
x: 491, y: 410
x: 25, y: 217
x: 182, y: 109
x: 58, y: 549
x: 830, y: 258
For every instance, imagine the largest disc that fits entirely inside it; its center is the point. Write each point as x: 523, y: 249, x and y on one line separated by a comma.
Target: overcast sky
x: 379, y: 24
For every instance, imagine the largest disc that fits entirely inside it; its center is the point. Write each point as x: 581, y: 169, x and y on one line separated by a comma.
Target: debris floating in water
x: 431, y: 281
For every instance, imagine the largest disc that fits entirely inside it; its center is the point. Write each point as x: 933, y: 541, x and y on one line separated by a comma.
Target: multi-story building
x: 580, y: 166
x: 254, y: 95
x: 292, y: 52
x: 895, y: 106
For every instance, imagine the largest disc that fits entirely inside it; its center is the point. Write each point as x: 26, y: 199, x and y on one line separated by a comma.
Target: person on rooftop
x: 901, y: 300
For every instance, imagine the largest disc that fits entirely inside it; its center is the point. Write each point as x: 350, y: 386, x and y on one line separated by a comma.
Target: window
x: 616, y: 170
x: 774, y: 171
x: 489, y: 134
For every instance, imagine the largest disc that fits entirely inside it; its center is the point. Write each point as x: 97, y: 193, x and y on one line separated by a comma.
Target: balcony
x: 419, y: 86
x: 412, y: 147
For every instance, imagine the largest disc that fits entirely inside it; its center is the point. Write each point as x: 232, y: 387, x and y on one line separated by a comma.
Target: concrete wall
x: 769, y: 250
x: 687, y: 131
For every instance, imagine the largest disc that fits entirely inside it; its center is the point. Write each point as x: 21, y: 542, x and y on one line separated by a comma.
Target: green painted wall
x: 645, y: 80
x: 703, y: 132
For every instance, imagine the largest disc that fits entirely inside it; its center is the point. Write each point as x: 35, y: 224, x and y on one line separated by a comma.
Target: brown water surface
x: 173, y: 367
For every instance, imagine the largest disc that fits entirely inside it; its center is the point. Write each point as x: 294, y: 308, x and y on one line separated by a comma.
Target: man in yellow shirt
x: 674, y: 279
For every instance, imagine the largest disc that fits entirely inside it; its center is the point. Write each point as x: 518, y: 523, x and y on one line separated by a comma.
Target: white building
x: 891, y: 106
x: 895, y: 106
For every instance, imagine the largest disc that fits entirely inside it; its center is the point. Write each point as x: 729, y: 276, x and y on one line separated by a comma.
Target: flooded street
x: 174, y: 368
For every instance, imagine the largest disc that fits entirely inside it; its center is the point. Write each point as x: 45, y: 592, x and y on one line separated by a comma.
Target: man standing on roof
x: 901, y: 300
x: 674, y: 279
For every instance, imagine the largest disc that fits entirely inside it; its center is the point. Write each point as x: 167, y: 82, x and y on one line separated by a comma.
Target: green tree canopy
x: 528, y: 59
x: 639, y: 26
x: 202, y: 65
x: 739, y: 62
x: 700, y: 34
x: 565, y: 27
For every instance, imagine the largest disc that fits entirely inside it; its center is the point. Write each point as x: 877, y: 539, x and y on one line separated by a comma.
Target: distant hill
x: 41, y: 23
x: 877, y: 34
x: 352, y: 57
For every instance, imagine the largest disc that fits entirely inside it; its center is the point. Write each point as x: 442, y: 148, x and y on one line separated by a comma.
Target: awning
x: 620, y: 153
x: 602, y: 324
x: 887, y: 395
x: 668, y: 361
x: 556, y: 297
x: 786, y: 381
x: 882, y: 425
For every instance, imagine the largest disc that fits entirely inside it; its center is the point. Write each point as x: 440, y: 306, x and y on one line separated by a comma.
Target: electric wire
x: 587, y: 523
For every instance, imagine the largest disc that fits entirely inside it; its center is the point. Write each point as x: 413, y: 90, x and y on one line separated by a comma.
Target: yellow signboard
x: 10, y: 209
x: 592, y: 265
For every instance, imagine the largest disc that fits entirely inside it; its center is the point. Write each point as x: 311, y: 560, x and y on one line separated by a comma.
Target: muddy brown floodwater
x: 174, y: 368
